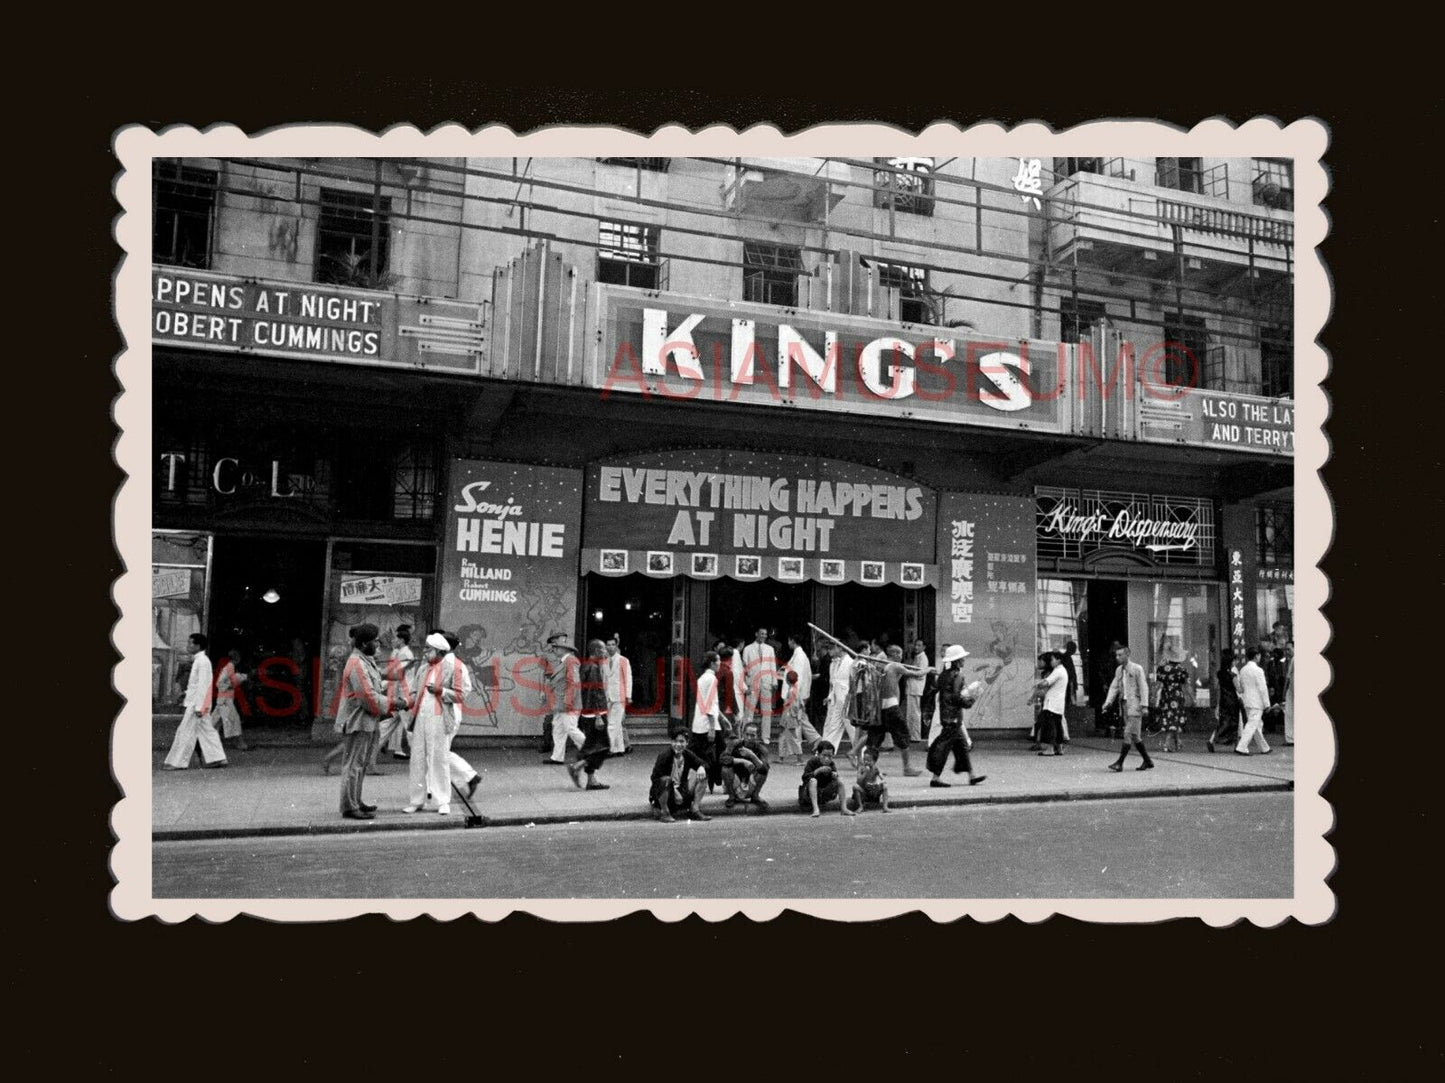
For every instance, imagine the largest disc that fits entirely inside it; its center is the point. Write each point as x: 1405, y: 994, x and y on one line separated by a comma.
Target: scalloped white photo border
x: 1303, y: 140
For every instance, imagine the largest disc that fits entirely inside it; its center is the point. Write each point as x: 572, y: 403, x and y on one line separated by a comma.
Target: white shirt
x: 760, y: 665
x: 198, y: 684
x: 1253, y: 688
x: 705, y: 710
x: 618, y: 678
x: 800, y: 665
x: 1057, y: 691
x: 466, y: 687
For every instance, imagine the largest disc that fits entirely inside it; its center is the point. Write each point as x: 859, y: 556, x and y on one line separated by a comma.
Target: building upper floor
x: 537, y: 268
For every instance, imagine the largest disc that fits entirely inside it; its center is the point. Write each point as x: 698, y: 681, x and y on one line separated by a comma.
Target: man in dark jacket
x: 671, y: 789
x: 596, y: 746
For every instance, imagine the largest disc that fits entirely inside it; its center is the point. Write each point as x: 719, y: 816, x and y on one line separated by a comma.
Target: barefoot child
x: 820, y: 781
x: 793, y: 720
x: 870, y: 784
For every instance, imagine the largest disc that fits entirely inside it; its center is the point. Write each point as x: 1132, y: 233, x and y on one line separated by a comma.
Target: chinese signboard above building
x: 201, y: 310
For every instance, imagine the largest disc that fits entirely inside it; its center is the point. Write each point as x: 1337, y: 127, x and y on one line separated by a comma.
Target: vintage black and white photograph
x: 976, y: 582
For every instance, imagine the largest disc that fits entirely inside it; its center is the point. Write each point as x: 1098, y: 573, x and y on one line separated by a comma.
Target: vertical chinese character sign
x: 1236, y: 603
x: 1029, y: 181
x: 987, y: 600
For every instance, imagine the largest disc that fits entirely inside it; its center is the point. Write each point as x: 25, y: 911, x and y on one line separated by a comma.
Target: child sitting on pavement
x: 745, y: 768
x: 820, y: 782
x: 870, y: 784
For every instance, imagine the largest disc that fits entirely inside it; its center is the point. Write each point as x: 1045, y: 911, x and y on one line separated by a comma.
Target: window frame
x: 898, y: 189
x: 770, y: 267
x: 1281, y: 171
x: 207, y: 181
x: 903, y: 275
x: 362, y: 272
x: 634, y: 261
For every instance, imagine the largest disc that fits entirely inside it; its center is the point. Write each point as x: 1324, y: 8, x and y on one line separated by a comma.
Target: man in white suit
x: 618, y: 674
x: 760, y: 674
x: 1254, y: 695
x: 840, y: 688
x: 196, y: 725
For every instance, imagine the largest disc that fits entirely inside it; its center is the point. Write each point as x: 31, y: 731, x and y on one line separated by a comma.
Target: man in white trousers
x: 564, y: 671
x: 840, y: 687
x: 618, y: 674
x: 432, y: 731
x: 196, y: 724
x: 760, y: 675
x: 802, y: 665
x: 1254, y: 695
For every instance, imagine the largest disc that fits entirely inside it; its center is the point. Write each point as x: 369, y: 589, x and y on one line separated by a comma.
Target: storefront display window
x: 1275, y: 605
x: 1064, y: 618
x: 1177, y: 622
x: 180, y: 566
x: 382, y: 584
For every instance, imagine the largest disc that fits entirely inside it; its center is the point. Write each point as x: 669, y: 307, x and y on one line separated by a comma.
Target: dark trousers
x: 355, y: 758
x: 1229, y: 714
x: 1051, y: 729
x: 596, y: 746
x: 951, y: 740
x: 709, y: 749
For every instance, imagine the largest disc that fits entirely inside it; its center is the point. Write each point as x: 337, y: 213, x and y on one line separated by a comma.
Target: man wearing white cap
x: 954, y: 697
x: 432, y: 730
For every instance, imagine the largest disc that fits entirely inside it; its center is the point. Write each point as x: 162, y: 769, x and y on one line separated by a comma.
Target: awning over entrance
x: 713, y: 513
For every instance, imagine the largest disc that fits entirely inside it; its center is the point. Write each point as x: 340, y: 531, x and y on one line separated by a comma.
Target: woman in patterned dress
x: 1173, y: 679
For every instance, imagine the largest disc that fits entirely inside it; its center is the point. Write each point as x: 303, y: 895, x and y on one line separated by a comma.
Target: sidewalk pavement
x: 281, y: 790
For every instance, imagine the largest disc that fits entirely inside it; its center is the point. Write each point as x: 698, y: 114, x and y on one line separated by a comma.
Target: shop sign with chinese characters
x: 1236, y: 602
x: 991, y: 606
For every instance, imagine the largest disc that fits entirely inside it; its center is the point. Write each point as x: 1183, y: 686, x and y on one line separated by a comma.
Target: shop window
x: 770, y: 273
x: 911, y: 283
x: 628, y: 255
x: 910, y: 191
x: 1067, y: 167
x: 1274, y: 605
x: 1180, y: 622
x: 1186, y: 349
x: 179, y: 564
x: 1183, y: 174
x: 184, y: 199
x: 1273, y: 183
x: 353, y: 239
x: 1078, y: 318
x: 652, y: 165
x: 1276, y: 355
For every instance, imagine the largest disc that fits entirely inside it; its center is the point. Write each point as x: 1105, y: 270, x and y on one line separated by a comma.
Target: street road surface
x: 1226, y: 846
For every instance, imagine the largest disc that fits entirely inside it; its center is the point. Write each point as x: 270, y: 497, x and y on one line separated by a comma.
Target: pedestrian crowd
x: 870, y: 696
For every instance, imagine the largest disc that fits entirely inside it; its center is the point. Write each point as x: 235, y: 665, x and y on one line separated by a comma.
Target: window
x: 770, y: 273
x: 1067, y: 167
x: 349, y: 228
x: 414, y: 484
x: 1078, y: 318
x: 1276, y: 357
x: 910, y: 191
x: 654, y: 165
x: 1274, y: 183
x: 1185, y: 174
x: 629, y: 255
x: 184, y: 199
x: 912, y: 286
x: 1274, y: 535
x: 1186, y: 346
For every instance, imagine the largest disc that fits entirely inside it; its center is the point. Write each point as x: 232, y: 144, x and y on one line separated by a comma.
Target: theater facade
x: 567, y: 454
